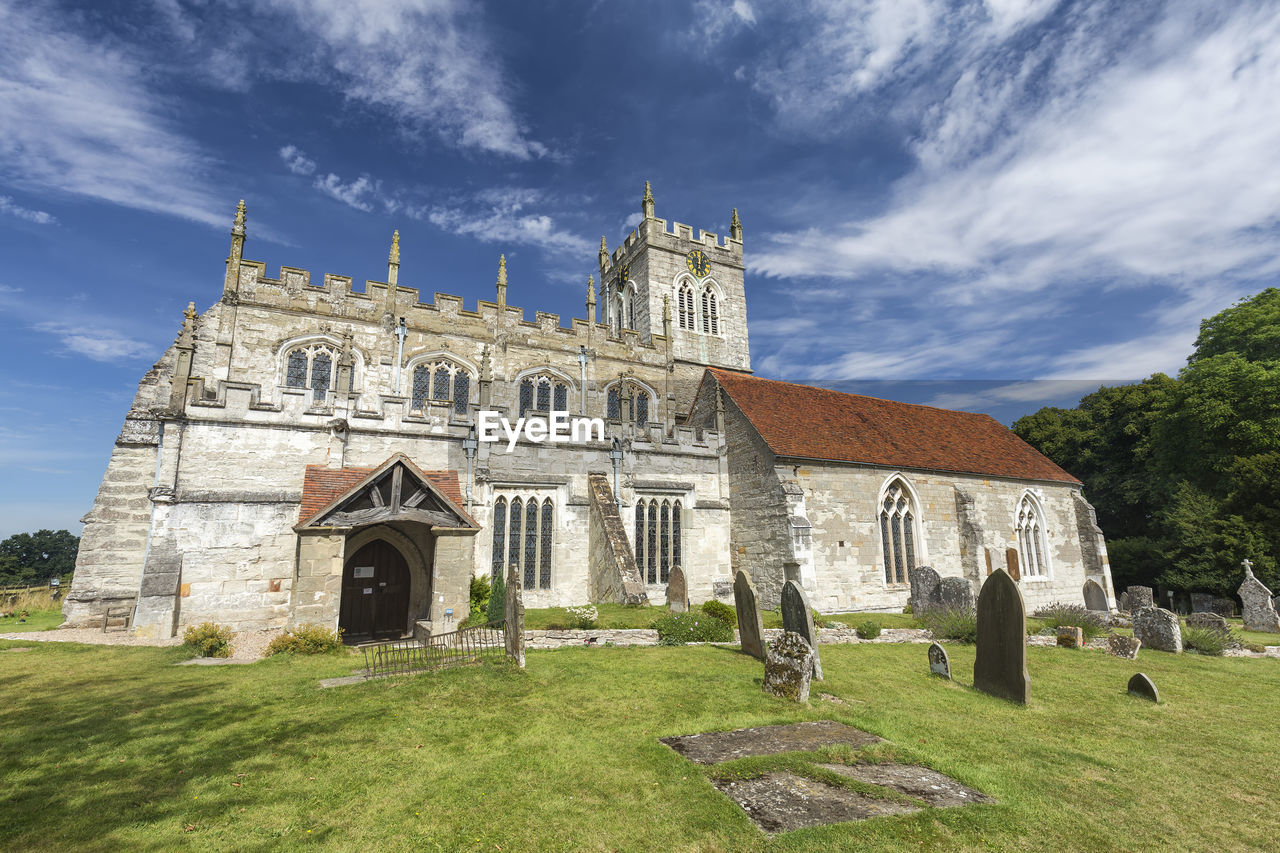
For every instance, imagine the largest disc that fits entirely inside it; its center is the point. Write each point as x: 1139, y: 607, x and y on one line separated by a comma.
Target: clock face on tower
x: 698, y: 263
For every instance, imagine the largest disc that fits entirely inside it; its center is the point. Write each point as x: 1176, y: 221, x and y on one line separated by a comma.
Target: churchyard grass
x: 37, y: 620
x: 109, y: 748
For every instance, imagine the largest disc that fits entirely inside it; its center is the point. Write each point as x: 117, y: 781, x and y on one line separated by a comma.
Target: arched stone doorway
x: 375, y: 593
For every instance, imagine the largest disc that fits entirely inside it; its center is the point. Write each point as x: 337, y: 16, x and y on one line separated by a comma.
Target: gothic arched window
x: 499, y: 537
x: 441, y: 382
x: 658, y: 545
x: 1029, y: 526
x: 640, y: 404
x: 899, y: 530
x: 687, y: 308
x: 710, y: 311
x: 543, y: 393
x: 528, y: 532
x: 311, y: 366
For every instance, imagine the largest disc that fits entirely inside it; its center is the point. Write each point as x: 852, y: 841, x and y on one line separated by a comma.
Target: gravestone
x: 1225, y: 607
x: 1211, y: 621
x: 1011, y: 561
x: 1140, y: 597
x: 1201, y: 602
x: 1259, y: 610
x: 1123, y: 647
x: 750, y: 623
x: 924, y: 589
x: 797, y: 616
x: 515, y: 616
x: 677, y: 591
x: 1142, y: 687
x: 955, y: 593
x: 1122, y: 604
x: 1158, y: 629
x: 939, y: 662
x: 788, y: 667
x: 1095, y: 597
x: 1070, y: 637
x: 1000, y: 668
x: 722, y: 589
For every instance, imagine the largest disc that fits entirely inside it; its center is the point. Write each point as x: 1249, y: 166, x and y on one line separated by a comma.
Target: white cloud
x: 297, y: 162
x: 94, y: 341
x: 503, y: 215
x: 77, y: 116
x: 358, y: 193
x: 39, y: 217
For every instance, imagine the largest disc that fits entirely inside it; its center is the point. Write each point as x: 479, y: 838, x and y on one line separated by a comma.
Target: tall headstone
x: 955, y: 593
x: 1011, y: 562
x: 1143, y: 687
x: 939, y: 662
x: 1201, y: 602
x: 1223, y: 607
x: 515, y: 616
x: 750, y: 623
x: 924, y: 589
x: 1259, y: 611
x: 797, y: 616
x: 1140, y: 597
x: 788, y: 668
x: 1095, y: 597
x: 1158, y: 629
x: 1001, y: 664
x: 677, y: 591
x: 1122, y: 603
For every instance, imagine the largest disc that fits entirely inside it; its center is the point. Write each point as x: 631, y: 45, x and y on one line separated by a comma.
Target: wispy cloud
x: 77, y: 116
x: 94, y: 341
x: 297, y: 162
x: 39, y: 217
x: 359, y: 193
x: 505, y: 215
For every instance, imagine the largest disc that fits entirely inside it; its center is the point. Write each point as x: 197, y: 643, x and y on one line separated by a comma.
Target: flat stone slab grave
x: 715, y: 747
x: 782, y: 801
x: 937, y: 789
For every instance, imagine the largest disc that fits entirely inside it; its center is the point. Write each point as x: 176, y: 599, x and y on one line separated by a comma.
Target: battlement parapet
x: 656, y: 231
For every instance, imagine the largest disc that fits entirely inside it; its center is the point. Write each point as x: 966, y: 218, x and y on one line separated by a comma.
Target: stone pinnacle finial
x: 502, y: 281
x: 486, y: 366
x: 604, y: 254
x: 591, y: 291
x: 666, y: 309
x: 394, y: 257
x: 646, y: 203
x: 237, y: 228
x: 190, y: 313
x: 735, y: 227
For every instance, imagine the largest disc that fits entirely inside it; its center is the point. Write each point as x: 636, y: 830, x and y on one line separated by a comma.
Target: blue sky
x: 989, y: 206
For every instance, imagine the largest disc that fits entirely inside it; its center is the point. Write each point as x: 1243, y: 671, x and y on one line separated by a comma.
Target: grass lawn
x: 37, y: 620
x: 113, y: 748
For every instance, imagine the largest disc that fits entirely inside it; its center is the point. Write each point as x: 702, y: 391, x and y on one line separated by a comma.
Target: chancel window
x: 639, y: 405
x: 898, y: 532
x: 543, y: 393
x: 311, y: 367
x: 1029, y: 526
x: 443, y: 383
x: 710, y: 311
x: 658, y: 543
x: 523, y: 532
x: 687, y: 308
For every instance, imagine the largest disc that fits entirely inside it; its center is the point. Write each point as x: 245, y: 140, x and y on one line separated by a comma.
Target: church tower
x: 700, y: 280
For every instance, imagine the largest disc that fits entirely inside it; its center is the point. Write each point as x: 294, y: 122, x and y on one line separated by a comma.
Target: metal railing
x: 457, y: 648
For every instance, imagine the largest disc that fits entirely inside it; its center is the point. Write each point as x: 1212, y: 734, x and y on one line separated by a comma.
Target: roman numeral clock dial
x: 698, y: 263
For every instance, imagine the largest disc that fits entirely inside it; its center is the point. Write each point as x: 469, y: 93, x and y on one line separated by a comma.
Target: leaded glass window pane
x: 544, y: 395
x: 562, y: 398
x: 908, y: 541
x: 526, y: 396
x: 676, y: 556
x: 640, y: 537
x: 421, y: 384
x: 1035, y: 540
x: 544, y: 565
x: 296, y: 375
x: 642, y: 409
x: 897, y: 549
x: 651, y: 549
x: 664, y: 535
x: 499, y: 535
x: 461, y: 391
x: 440, y: 385
x: 321, y: 368
x: 888, y: 552
x: 531, y: 544
x: 613, y: 412
x: 513, y: 540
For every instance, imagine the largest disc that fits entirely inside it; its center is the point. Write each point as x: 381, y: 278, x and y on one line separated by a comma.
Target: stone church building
x: 308, y: 452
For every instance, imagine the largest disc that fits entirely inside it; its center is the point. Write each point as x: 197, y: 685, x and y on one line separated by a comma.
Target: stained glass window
x: 440, y: 384
x: 614, y: 411
x: 461, y: 391
x: 531, y: 544
x: 544, y: 395
x: 562, y: 397
x: 296, y: 376
x: 642, y: 409
x: 421, y: 386
x: 544, y: 564
x: 321, y: 375
x: 499, y: 535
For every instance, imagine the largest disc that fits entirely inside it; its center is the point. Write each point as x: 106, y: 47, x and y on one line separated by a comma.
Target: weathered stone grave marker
x: 1223, y: 607
x: 955, y: 593
x: 1070, y: 637
x: 939, y: 662
x: 1143, y: 687
x: 1259, y: 610
x: 515, y: 616
x: 1201, y: 602
x: 797, y: 616
x: 1158, y: 629
x: 677, y: 591
x: 1095, y: 597
x: 1123, y: 647
x: 924, y: 589
x: 750, y: 623
x: 1140, y: 597
x: 1000, y: 668
x: 788, y: 667
x: 1205, y: 619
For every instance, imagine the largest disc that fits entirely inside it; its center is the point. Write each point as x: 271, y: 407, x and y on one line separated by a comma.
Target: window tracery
x: 899, y: 520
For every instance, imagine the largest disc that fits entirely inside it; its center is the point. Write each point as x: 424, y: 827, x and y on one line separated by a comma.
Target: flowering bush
x: 676, y: 629
x: 583, y: 617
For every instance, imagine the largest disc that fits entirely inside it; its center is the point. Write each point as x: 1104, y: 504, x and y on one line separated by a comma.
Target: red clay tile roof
x: 802, y: 421
x: 322, y: 486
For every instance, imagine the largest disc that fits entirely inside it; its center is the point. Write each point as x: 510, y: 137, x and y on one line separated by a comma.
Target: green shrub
x: 675, y: 629
x: 306, y: 640
x: 1058, y: 615
x: 868, y: 630
x: 583, y: 618
x: 1208, y: 641
x: 723, y: 612
x: 951, y: 623
x: 817, y: 618
x: 209, y: 640
x: 481, y: 589
x: 496, y: 610
x: 909, y: 610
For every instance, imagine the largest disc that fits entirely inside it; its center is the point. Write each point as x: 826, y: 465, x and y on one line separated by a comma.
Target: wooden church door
x: 375, y: 593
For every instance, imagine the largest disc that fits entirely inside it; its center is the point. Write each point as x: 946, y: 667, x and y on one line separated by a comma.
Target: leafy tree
x: 1250, y: 329
x: 27, y: 559
x: 497, y: 607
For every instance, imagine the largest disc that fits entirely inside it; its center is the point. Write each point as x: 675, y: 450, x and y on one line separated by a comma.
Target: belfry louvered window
x: 311, y: 367
x: 658, y: 543
x: 898, y: 532
x: 687, y: 308
x: 527, y: 530
x: 443, y: 383
x: 710, y: 311
x: 1029, y: 526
